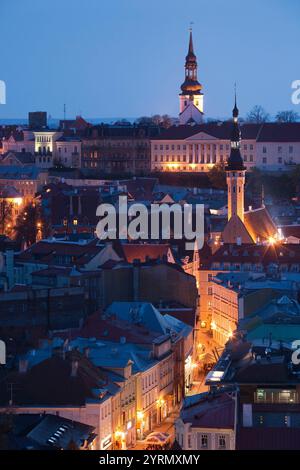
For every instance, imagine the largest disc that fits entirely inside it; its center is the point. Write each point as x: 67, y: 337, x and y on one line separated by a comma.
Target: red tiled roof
x: 265, y: 254
x: 110, y: 329
x: 141, y: 252
x: 46, y: 251
x: 51, y: 383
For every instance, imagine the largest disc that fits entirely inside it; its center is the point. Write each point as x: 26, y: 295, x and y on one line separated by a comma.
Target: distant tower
x: 235, y: 171
x: 191, y: 97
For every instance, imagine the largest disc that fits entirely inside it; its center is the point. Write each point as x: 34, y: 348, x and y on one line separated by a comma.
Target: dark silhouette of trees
x: 287, y: 116
x: 257, y: 115
x: 31, y: 225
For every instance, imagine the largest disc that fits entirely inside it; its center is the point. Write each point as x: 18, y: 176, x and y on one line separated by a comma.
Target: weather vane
x: 191, y: 26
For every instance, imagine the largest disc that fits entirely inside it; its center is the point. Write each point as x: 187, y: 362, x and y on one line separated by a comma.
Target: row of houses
x: 122, y: 373
x: 131, y: 149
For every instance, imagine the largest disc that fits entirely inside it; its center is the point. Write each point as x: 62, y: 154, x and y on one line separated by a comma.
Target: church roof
x: 235, y: 161
x: 259, y: 224
x: 234, y: 230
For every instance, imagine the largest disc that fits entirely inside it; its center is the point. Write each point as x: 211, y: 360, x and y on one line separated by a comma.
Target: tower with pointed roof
x: 235, y: 171
x: 191, y: 96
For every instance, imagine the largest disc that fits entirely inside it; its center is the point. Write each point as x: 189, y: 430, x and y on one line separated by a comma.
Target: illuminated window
x: 204, y: 441
x: 222, y: 441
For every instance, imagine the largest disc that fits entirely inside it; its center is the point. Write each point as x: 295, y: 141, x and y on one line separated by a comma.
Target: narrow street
x: 206, y: 351
x: 168, y: 426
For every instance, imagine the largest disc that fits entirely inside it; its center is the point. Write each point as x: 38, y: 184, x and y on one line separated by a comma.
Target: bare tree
x: 156, y: 119
x: 257, y: 115
x: 166, y: 121
x: 144, y: 121
x: 287, y: 116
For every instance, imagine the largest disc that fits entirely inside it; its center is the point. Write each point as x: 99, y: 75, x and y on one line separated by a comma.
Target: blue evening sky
x: 112, y: 58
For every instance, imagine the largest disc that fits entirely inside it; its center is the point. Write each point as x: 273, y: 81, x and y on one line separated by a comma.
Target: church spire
x: 235, y: 111
x: 191, y: 86
x: 235, y: 169
x: 235, y: 161
x: 191, y: 96
x: 191, y: 54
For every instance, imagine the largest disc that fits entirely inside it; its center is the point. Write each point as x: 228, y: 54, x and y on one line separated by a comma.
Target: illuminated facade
x: 235, y: 172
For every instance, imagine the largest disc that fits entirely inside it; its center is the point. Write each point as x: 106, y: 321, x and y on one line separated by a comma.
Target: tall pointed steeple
x: 235, y: 160
x: 191, y: 86
x: 191, y: 54
x: 235, y: 170
x: 191, y: 89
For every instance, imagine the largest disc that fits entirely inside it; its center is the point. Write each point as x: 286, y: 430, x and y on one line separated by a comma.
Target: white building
x: 207, y: 422
x: 49, y: 148
x: 199, y: 148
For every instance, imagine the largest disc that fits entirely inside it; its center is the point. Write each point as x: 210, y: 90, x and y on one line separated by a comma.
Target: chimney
x: 23, y: 366
x: 74, y: 370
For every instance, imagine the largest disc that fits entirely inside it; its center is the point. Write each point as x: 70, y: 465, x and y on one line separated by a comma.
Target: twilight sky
x: 111, y: 58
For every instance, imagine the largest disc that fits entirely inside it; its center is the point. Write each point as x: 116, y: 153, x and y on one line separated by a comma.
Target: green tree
x: 31, y: 225
x: 217, y: 176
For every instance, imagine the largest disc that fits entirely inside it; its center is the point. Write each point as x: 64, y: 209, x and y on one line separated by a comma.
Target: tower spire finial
x: 235, y: 111
x: 191, y: 45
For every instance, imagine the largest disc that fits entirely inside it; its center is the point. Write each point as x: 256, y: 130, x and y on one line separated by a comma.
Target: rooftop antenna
x: 64, y: 112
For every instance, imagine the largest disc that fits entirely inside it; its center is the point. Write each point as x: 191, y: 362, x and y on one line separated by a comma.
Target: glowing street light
x: 272, y: 240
